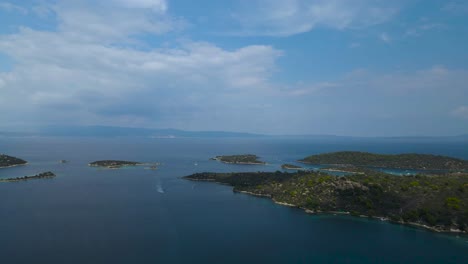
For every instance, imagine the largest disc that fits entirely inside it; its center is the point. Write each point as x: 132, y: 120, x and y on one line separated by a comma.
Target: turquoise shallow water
x: 136, y: 215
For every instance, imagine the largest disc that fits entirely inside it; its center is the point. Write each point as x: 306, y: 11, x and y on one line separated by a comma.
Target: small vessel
x: 63, y: 161
x: 153, y: 167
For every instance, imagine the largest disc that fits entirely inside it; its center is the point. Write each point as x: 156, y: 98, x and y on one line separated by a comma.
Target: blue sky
x: 342, y: 67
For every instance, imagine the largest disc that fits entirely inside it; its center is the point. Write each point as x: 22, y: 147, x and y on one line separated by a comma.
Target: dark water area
x: 137, y: 215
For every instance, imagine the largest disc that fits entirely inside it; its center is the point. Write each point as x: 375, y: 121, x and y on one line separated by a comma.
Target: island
x: 113, y: 164
x: 291, y: 167
x: 44, y: 175
x: 435, y: 202
x: 9, y: 161
x: 398, y: 161
x: 248, y: 159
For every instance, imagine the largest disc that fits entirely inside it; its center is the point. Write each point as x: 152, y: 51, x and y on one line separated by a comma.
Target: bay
x: 137, y: 215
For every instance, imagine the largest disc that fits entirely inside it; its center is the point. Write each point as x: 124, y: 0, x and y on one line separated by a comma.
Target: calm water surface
x: 136, y: 215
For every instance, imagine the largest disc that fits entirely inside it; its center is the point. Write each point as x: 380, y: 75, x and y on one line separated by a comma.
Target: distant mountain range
x: 110, y: 131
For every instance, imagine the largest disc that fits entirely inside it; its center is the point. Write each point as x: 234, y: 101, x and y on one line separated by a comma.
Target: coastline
x: 241, y: 163
x: 381, y: 218
x: 244, y: 163
x: 11, y: 166
x: 338, y: 170
x: 43, y: 175
x: 374, y: 167
x: 318, y: 212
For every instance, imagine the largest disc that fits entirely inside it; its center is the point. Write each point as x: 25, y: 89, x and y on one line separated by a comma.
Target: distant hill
x: 401, y: 161
x: 113, y: 131
x: 109, y: 131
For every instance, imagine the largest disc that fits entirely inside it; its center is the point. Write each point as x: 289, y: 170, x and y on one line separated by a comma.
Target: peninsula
x: 436, y: 202
x: 398, y: 161
x: 9, y: 161
x: 240, y: 159
x: 44, y: 175
x: 113, y: 164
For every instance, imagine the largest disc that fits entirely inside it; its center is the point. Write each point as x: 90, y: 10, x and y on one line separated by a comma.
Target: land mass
x: 240, y: 159
x: 398, y: 161
x: 113, y: 164
x: 436, y: 202
x: 9, y: 161
x: 291, y: 167
x: 44, y: 175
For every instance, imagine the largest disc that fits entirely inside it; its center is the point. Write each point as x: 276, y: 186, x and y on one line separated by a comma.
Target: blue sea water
x: 137, y: 215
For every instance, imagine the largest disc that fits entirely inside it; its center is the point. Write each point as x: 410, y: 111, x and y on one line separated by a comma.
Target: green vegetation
x: 8, y: 161
x: 291, y: 167
x: 400, y: 161
x: 44, y: 175
x: 113, y: 164
x: 240, y: 159
x: 436, y: 201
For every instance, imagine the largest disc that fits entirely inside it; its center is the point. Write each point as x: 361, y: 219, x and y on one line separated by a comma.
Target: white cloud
x: 289, y: 17
x: 461, y: 112
x: 420, y: 29
x: 435, y: 80
x: 9, y: 7
x: 458, y: 7
x: 156, y: 5
x: 114, y: 21
x: 302, y: 89
x: 58, y: 78
x: 385, y: 37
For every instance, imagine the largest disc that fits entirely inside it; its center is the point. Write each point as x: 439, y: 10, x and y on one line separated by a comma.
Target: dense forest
x: 437, y: 201
x: 400, y: 161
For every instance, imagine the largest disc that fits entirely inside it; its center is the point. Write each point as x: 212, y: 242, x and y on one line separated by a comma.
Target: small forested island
x: 113, y: 164
x: 44, y: 175
x: 291, y: 167
x: 240, y: 159
x: 9, y: 161
x: 436, y: 202
x: 398, y: 161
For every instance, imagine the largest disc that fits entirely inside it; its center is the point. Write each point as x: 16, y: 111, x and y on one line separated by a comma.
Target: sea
x: 139, y: 215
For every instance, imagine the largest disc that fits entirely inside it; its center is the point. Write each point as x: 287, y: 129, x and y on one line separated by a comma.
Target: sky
x: 336, y: 67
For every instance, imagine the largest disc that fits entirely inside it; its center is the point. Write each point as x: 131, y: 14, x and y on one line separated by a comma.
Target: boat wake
x: 160, y: 189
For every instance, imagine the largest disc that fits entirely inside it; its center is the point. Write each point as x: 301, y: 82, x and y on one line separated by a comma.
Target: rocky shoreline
x: 381, y: 218
x: 11, y: 166
x: 373, y: 195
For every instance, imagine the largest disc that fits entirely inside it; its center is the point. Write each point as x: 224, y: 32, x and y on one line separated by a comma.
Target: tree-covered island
x: 240, y: 159
x: 291, y: 167
x: 398, y: 161
x: 9, y: 161
x: 436, y: 202
x: 113, y: 164
x: 44, y: 175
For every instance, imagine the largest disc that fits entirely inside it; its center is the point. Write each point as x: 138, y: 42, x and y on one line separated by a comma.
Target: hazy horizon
x: 294, y: 67
x: 113, y: 130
